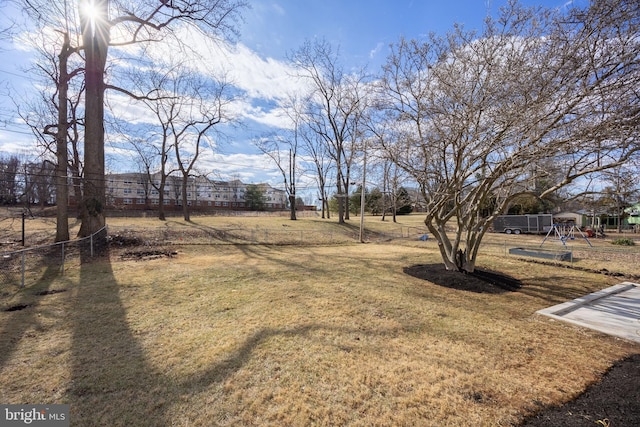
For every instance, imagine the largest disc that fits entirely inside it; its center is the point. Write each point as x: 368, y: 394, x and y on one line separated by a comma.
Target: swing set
x: 564, y: 232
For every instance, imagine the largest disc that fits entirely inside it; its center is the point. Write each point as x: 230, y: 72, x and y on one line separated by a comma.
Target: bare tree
x: 55, y: 122
x: 9, y: 168
x: 89, y: 25
x: 621, y: 187
x: 153, y: 154
x: 186, y: 108
x: 196, y: 107
x: 41, y: 183
x: 389, y: 188
x: 473, y: 116
x: 314, y: 148
x: 53, y: 117
x: 334, y: 110
x: 137, y: 22
x: 283, y: 150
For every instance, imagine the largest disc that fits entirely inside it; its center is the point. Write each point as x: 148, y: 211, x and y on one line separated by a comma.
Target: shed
x: 576, y: 218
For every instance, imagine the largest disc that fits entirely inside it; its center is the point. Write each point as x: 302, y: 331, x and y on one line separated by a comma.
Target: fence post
x: 23, y: 267
x: 91, y: 244
x: 23, y: 216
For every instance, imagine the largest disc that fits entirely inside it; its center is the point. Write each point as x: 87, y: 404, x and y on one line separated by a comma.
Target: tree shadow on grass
x: 480, y: 281
x: 552, y: 289
x: 114, y: 383
x: 111, y: 378
x: 21, y: 316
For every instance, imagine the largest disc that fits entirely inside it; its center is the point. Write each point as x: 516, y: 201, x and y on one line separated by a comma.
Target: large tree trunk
x: 292, y: 206
x: 325, y: 200
x: 454, y: 257
x: 95, y: 35
x: 185, y: 207
x: 341, y: 196
x: 62, y: 185
x: 161, y: 214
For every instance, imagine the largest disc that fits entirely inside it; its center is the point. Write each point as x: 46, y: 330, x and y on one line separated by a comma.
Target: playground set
x: 567, y: 231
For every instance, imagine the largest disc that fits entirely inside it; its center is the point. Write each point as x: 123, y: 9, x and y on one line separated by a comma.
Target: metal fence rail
x: 615, y: 259
x: 19, y: 268
x: 24, y: 267
x: 285, y: 235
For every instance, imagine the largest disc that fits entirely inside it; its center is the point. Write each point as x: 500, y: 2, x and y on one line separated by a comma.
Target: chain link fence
x: 125, y: 236
x: 614, y: 260
x: 20, y: 268
x: 23, y: 267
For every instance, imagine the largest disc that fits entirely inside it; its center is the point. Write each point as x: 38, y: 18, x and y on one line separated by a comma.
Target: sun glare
x: 91, y: 12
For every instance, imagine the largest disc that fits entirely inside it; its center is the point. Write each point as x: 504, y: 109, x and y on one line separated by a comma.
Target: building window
x: 140, y: 201
x: 127, y: 191
x: 127, y: 201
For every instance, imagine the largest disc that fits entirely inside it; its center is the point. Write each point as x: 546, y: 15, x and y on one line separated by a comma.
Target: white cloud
x: 264, y: 78
x: 278, y: 9
x: 249, y: 168
x: 376, y: 50
x: 265, y: 83
x: 16, y: 142
x: 133, y: 112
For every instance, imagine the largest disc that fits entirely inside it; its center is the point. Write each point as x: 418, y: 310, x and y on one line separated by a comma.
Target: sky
x: 258, y: 62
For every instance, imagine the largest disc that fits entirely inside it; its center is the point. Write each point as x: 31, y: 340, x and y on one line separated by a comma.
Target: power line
x: 16, y: 131
x: 14, y: 74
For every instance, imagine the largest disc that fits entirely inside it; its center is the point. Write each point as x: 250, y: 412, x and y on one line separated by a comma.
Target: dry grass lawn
x: 295, y: 335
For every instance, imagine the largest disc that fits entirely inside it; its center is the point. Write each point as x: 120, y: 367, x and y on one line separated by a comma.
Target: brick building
x: 134, y: 191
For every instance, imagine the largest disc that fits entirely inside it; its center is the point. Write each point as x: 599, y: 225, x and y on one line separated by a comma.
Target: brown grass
x: 296, y: 335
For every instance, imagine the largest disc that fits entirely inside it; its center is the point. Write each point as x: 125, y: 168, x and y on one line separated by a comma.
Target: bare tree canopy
x: 136, y: 22
x: 91, y: 28
x: 335, y: 109
x: 476, y: 119
x: 282, y: 149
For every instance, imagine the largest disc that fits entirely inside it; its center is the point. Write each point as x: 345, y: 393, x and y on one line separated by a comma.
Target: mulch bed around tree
x: 612, y: 402
x: 480, y: 281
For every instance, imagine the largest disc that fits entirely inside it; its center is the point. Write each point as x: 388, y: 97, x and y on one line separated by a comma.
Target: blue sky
x: 362, y: 30
x: 361, y: 27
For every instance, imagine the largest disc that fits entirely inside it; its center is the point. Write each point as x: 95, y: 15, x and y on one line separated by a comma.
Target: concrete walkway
x: 614, y: 311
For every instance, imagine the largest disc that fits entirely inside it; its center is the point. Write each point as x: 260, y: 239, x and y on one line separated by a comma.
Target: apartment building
x: 135, y: 191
